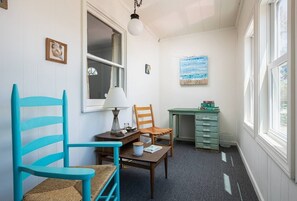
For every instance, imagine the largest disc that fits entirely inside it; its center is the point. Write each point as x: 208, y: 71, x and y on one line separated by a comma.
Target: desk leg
x: 166, y: 165
x: 152, y: 174
x: 177, y: 125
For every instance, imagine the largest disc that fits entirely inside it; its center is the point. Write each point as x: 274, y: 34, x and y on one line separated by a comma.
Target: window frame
x: 93, y: 105
x: 282, y: 153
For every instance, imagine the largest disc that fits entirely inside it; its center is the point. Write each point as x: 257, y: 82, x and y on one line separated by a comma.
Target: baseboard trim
x: 251, y: 176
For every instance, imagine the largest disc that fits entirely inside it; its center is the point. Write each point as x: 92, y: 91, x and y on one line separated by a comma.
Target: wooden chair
x: 64, y: 183
x: 145, y: 123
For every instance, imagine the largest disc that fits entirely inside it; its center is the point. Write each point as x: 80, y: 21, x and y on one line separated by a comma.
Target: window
x: 249, y: 77
x: 275, y: 126
x: 278, y: 70
x: 104, y: 48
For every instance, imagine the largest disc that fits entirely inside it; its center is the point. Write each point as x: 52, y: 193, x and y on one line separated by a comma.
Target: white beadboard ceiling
x: 168, y: 18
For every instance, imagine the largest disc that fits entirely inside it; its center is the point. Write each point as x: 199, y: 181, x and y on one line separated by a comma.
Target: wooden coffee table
x: 147, y: 161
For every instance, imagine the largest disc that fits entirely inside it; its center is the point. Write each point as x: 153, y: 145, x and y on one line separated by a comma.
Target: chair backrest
x: 144, y: 116
x: 20, y: 124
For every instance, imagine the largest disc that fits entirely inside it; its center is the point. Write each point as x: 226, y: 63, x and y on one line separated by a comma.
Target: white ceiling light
x: 135, y: 26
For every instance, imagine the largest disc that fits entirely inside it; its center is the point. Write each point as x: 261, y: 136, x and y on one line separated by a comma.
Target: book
x: 152, y: 148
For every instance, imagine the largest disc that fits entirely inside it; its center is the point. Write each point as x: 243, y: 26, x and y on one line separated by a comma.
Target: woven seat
x: 70, y: 190
x: 145, y: 124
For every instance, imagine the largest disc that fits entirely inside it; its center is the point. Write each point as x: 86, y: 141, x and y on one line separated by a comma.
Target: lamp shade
x: 116, y: 98
x: 135, y: 26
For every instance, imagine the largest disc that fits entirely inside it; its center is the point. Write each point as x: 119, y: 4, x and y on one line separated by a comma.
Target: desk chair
x: 64, y: 183
x: 146, y: 125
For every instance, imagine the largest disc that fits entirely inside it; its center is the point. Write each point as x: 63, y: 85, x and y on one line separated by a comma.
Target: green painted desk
x: 206, y: 126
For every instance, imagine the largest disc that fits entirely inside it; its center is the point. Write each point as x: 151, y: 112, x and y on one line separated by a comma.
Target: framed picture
x: 147, y: 69
x: 193, y: 70
x: 4, y: 4
x: 55, y: 51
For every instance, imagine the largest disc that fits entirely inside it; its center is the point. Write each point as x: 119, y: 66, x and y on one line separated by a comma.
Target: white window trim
x: 283, y: 155
x: 93, y: 105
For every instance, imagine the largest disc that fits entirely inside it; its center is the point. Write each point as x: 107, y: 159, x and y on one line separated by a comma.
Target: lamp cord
x: 137, y: 4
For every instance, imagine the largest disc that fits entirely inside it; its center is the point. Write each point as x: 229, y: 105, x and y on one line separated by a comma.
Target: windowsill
x: 249, y: 128
x: 276, y: 149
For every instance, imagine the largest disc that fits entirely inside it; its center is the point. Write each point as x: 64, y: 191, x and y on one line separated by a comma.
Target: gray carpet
x: 193, y: 175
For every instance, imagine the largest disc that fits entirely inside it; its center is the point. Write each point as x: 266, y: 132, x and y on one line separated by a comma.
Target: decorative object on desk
x: 4, y: 4
x: 152, y: 148
x: 194, y: 70
x: 129, y: 128
x: 209, y: 105
x: 117, y: 100
x: 147, y: 69
x: 55, y: 51
x: 138, y: 148
x: 135, y: 26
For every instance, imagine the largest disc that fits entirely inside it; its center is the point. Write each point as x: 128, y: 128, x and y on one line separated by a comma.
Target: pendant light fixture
x: 135, y: 26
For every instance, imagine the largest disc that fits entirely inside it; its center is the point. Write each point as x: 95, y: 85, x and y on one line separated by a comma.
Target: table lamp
x: 117, y: 100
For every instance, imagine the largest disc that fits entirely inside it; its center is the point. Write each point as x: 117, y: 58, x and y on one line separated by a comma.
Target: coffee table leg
x: 152, y: 174
x: 165, y: 161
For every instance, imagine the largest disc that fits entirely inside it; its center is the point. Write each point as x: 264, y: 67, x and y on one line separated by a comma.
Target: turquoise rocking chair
x: 95, y: 182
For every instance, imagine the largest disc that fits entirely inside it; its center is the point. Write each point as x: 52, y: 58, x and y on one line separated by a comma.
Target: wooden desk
x: 206, y: 126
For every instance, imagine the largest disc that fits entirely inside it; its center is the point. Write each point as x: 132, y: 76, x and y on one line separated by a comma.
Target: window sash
x: 91, y: 105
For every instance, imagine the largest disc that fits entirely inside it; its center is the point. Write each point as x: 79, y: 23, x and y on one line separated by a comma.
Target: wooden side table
x: 107, y: 136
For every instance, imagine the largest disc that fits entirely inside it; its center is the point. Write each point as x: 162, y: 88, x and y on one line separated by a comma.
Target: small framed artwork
x: 4, y: 4
x: 55, y: 51
x: 147, y: 69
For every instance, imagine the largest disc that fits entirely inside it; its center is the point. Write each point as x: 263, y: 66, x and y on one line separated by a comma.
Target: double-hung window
x: 278, y: 70
x: 104, y: 48
x: 249, y: 77
x: 275, y: 88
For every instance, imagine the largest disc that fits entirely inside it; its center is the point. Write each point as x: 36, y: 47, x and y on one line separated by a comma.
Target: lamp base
x: 115, y: 129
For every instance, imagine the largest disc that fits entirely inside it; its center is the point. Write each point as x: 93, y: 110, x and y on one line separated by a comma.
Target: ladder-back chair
x: 146, y: 125
x: 65, y: 183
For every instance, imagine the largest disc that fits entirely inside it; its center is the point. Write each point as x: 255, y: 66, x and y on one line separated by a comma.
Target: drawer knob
x: 206, y: 130
x: 206, y: 118
x: 206, y: 135
x: 204, y: 124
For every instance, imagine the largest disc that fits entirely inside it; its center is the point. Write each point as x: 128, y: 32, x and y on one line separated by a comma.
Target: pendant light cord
x: 136, y: 4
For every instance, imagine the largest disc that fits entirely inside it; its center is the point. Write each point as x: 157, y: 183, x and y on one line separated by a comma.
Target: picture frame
x: 4, y: 4
x: 56, y: 51
x: 147, y: 69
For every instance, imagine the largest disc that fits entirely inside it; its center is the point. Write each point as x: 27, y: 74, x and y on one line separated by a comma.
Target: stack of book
x: 209, y: 105
x: 152, y: 148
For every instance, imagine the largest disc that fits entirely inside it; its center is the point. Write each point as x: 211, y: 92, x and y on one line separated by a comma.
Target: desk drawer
x: 207, y: 140
x: 206, y: 116
x: 213, y: 129
x: 207, y: 146
x: 206, y: 123
x: 206, y: 134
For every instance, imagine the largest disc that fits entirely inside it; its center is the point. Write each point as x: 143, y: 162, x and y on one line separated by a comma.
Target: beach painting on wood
x: 194, y: 70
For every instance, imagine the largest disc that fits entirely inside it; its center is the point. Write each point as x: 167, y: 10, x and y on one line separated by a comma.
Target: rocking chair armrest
x: 97, y: 144
x: 59, y: 173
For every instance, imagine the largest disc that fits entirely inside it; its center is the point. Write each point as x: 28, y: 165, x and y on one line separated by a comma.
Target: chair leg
x: 153, y: 139
x: 86, y: 187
